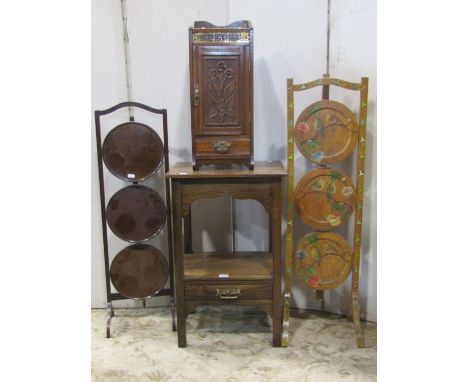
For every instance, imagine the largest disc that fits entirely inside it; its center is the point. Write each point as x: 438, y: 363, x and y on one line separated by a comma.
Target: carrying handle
x: 196, y: 94
x: 228, y: 294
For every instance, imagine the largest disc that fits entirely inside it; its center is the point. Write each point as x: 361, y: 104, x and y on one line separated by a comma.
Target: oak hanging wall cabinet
x: 221, y: 87
x: 326, y: 133
x: 134, y: 152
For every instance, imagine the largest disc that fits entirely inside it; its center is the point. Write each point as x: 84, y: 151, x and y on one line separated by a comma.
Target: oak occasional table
x: 239, y: 278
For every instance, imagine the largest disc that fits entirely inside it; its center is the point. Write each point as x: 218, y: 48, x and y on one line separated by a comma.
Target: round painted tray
x: 139, y: 271
x: 326, y: 132
x: 324, y: 198
x: 133, y: 151
x: 323, y: 260
x: 136, y: 213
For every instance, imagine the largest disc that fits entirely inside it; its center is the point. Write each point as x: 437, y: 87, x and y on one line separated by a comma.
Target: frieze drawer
x: 228, y: 292
x: 220, y: 146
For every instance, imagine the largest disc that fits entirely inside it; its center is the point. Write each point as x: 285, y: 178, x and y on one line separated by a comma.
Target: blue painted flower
x: 300, y: 255
x: 317, y: 156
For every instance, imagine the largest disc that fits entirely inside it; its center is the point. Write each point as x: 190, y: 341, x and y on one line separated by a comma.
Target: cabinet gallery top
x: 262, y: 169
x: 236, y: 32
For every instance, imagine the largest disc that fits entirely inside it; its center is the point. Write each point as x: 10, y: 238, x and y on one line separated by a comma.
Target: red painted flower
x: 303, y: 127
x: 313, y: 281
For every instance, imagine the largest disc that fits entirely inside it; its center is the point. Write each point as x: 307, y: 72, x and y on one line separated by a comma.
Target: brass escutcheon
x: 196, y: 94
x: 222, y: 146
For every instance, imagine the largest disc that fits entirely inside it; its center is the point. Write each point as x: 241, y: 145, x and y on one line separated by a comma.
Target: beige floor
x: 230, y: 344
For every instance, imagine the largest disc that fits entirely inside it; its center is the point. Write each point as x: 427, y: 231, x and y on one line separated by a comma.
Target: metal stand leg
x: 357, y: 321
x: 144, y: 303
x: 110, y: 314
x: 173, y: 313
x: 319, y: 295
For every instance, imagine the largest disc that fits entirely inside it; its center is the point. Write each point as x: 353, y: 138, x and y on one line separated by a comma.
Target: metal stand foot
x: 357, y: 322
x: 110, y: 314
x: 319, y: 295
x: 173, y: 313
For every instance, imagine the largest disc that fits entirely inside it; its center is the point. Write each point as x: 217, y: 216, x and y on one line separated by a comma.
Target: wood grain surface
x: 322, y: 260
x: 326, y: 132
x: 231, y: 266
x: 324, y: 198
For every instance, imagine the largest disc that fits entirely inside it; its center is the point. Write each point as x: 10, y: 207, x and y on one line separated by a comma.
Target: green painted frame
x: 326, y: 82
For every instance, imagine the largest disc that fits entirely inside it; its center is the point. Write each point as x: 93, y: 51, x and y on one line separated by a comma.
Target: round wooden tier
x: 324, y: 198
x: 133, y: 151
x: 139, y: 271
x: 326, y: 132
x: 136, y: 213
x: 322, y: 260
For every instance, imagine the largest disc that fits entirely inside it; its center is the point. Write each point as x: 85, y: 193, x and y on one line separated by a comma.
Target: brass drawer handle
x: 222, y: 146
x: 228, y: 294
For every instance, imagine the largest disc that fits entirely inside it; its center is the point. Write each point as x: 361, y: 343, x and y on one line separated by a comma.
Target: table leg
x: 188, y: 232
x: 179, y: 263
x: 276, y: 249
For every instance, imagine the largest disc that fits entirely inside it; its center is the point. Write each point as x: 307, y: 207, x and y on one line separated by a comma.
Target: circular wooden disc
x: 324, y: 198
x: 326, y: 132
x: 136, y: 213
x: 139, y: 271
x: 323, y: 260
x: 133, y: 151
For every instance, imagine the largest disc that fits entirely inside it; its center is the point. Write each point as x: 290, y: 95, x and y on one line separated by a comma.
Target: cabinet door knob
x: 196, y: 94
x: 222, y: 146
x: 228, y: 294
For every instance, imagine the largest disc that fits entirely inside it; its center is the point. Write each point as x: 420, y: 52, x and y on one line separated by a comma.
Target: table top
x: 261, y: 169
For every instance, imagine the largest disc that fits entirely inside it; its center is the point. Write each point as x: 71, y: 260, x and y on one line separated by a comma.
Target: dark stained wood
x: 235, y: 24
x: 133, y: 151
x: 178, y: 263
x: 221, y: 86
x: 136, y: 213
x: 199, y: 275
x: 210, y: 292
x: 236, y: 266
x: 188, y: 231
x: 139, y: 271
x: 138, y: 161
x: 222, y: 146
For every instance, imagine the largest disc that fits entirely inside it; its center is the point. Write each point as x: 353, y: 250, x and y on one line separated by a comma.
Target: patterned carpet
x: 231, y: 344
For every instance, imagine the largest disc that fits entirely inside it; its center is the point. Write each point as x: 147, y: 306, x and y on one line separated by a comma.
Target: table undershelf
x: 216, y: 266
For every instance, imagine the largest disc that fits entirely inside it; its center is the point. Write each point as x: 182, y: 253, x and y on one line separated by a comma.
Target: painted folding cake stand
x: 325, y: 133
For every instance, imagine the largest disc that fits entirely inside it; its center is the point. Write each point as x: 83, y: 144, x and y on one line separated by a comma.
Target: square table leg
x: 276, y: 250
x: 179, y: 263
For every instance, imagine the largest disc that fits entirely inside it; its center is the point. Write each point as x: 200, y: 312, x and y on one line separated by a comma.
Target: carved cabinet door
x: 220, y: 90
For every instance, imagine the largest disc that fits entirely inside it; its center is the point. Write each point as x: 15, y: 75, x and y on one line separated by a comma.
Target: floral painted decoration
x: 303, y: 127
x: 347, y: 191
x: 322, y: 260
x: 317, y: 156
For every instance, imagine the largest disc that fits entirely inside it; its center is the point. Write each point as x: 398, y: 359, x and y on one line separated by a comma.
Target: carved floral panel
x: 221, y: 86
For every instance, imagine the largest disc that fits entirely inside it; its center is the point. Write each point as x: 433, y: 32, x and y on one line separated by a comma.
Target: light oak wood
x: 262, y: 169
x: 233, y: 266
x: 197, y: 274
x: 326, y: 132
